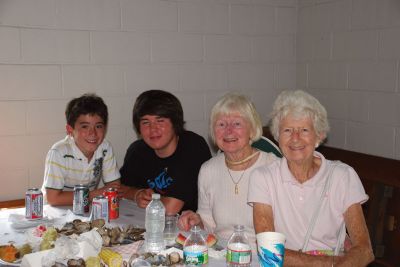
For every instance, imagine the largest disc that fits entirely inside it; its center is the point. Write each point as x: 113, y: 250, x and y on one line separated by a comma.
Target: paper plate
x: 15, y: 263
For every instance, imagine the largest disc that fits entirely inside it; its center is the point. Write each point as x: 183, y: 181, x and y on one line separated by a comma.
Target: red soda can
x: 33, y: 204
x: 113, y: 203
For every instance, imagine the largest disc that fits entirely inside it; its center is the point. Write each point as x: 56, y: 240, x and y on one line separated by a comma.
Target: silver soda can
x: 81, y: 199
x: 100, y: 208
x: 33, y: 204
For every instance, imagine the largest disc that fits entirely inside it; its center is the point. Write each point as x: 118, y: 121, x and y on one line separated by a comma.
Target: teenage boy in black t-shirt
x: 167, y: 158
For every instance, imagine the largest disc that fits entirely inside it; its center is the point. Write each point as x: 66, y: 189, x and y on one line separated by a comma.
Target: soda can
x: 100, y: 208
x: 33, y: 204
x: 81, y: 199
x: 113, y: 203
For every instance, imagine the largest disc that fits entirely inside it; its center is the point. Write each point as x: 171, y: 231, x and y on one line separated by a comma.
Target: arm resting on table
x: 264, y: 222
x: 172, y: 205
x: 142, y: 197
x: 360, y: 253
x: 57, y: 197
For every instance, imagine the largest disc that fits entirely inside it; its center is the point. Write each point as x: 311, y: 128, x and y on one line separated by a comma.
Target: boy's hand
x: 143, y: 197
x: 97, y: 192
x: 126, y: 192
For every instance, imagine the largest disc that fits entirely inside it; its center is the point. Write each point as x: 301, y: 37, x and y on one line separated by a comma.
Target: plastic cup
x: 270, y: 248
x: 171, y: 229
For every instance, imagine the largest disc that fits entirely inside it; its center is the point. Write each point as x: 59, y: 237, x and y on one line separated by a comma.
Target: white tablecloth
x: 130, y: 213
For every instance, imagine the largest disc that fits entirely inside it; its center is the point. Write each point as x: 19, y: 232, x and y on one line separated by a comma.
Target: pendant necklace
x: 240, y: 178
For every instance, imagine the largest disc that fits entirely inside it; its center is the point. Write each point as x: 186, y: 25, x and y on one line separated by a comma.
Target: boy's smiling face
x: 88, y: 132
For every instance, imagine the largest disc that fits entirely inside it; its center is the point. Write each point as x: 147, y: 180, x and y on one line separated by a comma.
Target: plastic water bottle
x: 155, y: 223
x: 238, y: 253
x: 195, y: 250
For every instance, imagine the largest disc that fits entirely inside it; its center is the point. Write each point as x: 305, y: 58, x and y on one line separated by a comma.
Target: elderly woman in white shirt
x: 310, y: 199
x: 223, y: 180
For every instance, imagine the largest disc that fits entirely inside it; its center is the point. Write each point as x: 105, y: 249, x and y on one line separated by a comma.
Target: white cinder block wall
x: 348, y: 55
x: 345, y: 52
x: 54, y: 50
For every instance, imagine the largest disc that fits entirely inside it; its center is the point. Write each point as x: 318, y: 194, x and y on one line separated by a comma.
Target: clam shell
x: 76, y: 263
x: 174, y: 258
x: 98, y: 223
x: 82, y: 227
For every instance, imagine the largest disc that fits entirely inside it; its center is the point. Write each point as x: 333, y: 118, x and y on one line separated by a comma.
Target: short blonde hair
x: 299, y: 104
x: 237, y: 103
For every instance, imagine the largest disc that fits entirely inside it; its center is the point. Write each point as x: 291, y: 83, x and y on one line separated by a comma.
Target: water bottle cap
x: 195, y: 228
x: 155, y: 196
x: 238, y: 227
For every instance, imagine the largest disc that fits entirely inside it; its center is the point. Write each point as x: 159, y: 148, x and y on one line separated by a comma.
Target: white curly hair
x: 299, y: 104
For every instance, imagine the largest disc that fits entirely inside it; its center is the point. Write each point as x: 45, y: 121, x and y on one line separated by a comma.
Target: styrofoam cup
x: 270, y: 248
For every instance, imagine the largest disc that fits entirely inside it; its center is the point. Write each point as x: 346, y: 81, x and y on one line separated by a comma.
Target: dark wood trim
x: 17, y: 203
x: 369, y: 167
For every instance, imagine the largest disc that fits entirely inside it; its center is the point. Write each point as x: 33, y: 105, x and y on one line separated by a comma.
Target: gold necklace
x: 240, y: 178
x: 243, y: 160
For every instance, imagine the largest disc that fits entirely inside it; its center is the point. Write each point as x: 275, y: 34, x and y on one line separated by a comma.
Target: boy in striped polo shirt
x: 83, y: 156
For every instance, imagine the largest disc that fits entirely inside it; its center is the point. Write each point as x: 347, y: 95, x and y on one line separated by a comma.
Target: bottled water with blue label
x: 154, y: 224
x: 195, y: 250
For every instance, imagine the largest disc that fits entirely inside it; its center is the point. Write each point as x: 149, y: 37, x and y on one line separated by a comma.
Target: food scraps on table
x: 211, y: 239
x: 110, y: 236
x: 110, y: 257
x: 9, y: 253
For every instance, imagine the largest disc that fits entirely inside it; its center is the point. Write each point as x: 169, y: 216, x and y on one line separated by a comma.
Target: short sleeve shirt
x: 174, y: 176
x: 293, y: 203
x: 66, y: 166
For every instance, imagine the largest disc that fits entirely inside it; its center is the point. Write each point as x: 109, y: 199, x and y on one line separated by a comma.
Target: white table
x: 130, y: 213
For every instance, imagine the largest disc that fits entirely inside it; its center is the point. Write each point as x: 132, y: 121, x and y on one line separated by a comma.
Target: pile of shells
x: 117, y: 235
x: 173, y: 259
x: 71, y: 263
x: 110, y: 236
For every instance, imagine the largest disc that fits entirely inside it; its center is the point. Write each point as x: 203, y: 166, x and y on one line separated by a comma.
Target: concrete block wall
x: 348, y: 57
x: 54, y: 50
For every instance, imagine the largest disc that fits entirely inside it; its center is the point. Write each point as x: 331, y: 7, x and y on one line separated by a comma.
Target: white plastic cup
x: 270, y: 249
x: 171, y: 230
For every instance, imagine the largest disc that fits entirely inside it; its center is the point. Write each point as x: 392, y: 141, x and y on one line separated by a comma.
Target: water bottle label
x: 238, y: 257
x: 195, y: 257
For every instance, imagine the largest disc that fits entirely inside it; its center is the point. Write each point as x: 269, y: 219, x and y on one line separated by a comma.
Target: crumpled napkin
x: 64, y: 248
x: 19, y: 222
x: 86, y: 245
x: 93, y: 238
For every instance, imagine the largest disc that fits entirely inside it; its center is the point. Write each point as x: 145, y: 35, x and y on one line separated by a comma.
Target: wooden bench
x: 17, y: 203
x: 381, y: 179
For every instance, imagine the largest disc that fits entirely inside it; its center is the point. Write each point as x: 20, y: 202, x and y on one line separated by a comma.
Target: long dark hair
x: 159, y: 103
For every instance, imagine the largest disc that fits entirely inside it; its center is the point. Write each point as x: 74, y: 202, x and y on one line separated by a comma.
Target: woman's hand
x: 189, y: 218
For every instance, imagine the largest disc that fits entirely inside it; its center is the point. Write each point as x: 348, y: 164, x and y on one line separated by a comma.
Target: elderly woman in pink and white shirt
x: 304, y: 192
